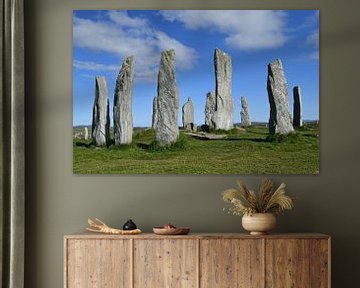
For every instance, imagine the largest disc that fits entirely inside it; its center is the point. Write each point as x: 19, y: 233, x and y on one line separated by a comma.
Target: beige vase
x: 259, y: 223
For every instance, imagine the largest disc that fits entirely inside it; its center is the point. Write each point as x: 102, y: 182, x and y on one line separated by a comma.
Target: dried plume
x: 268, y: 200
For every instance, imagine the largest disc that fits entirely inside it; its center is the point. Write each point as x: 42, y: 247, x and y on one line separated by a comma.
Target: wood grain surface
x: 231, y: 263
x: 197, y: 260
x: 320, y: 263
x: 287, y: 263
x: 165, y: 263
x: 98, y: 263
x: 89, y: 235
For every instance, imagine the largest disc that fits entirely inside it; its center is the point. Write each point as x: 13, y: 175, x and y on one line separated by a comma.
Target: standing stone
x: 155, y: 113
x: 101, y: 119
x: 297, y: 113
x: 210, y: 108
x: 86, y: 133
x: 280, y: 120
x: 123, y: 120
x: 188, y: 115
x: 223, y: 116
x: 166, y: 128
x: 245, y: 113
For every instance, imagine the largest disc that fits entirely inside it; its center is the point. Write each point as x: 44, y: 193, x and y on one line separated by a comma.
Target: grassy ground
x: 249, y: 152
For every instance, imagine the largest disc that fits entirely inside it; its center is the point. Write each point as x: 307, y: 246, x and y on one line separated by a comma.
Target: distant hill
x: 79, y: 128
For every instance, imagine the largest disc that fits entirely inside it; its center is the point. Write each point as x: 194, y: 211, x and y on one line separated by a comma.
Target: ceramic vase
x: 259, y: 223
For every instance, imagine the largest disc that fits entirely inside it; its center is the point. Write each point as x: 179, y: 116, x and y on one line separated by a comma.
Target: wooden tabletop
x: 89, y: 235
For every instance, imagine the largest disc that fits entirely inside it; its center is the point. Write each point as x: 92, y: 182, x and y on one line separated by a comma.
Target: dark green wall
x: 59, y: 202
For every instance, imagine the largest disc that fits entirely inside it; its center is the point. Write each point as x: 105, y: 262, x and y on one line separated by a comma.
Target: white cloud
x: 122, y: 18
x: 89, y: 76
x: 243, y: 29
x: 313, y: 55
x: 313, y: 39
x: 124, y: 36
x: 165, y: 42
x: 313, y: 19
x: 85, y: 65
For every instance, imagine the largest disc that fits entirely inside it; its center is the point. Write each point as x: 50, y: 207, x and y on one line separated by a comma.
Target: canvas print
x: 196, y: 92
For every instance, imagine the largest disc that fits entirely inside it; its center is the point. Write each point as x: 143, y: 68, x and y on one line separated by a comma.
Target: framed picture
x: 196, y: 92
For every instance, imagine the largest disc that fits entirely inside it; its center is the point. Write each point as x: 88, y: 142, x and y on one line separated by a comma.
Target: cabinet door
x: 287, y: 263
x: 231, y: 263
x: 98, y: 263
x: 165, y: 263
x: 320, y: 263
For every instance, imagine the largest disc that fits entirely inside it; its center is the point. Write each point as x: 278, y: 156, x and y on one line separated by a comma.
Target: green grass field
x: 249, y: 152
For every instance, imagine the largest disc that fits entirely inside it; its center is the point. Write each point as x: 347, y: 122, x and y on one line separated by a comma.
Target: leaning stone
x: 123, y: 120
x: 210, y: 108
x: 166, y: 127
x: 223, y: 116
x: 245, y: 113
x: 188, y: 115
x: 297, y: 113
x: 101, y: 119
x: 280, y: 120
x: 155, y: 113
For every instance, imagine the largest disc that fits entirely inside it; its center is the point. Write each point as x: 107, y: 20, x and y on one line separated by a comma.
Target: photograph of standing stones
x: 196, y: 92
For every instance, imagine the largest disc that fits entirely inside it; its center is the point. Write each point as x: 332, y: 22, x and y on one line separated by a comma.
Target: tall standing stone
x: 101, y: 119
x: 210, y: 108
x: 223, y: 116
x: 280, y: 120
x: 188, y: 115
x: 86, y: 133
x: 245, y: 112
x: 297, y: 113
x: 166, y: 128
x: 123, y: 120
x: 155, y: 113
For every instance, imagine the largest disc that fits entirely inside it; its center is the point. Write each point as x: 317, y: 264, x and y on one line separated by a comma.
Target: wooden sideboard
x: 197, y: 260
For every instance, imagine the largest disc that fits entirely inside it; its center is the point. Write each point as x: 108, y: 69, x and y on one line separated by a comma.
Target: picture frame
x: 134, y: 132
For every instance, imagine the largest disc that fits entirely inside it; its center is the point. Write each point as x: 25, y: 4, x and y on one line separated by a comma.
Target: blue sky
x: 254, y: 38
